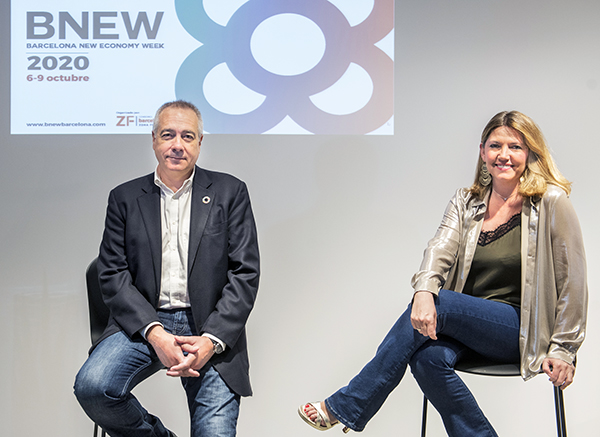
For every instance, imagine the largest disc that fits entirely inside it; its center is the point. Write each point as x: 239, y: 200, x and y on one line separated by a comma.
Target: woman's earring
x: 524, y: 175
x: 484, y: 175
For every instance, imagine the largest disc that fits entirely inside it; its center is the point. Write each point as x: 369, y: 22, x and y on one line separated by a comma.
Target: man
x: 179, y: 269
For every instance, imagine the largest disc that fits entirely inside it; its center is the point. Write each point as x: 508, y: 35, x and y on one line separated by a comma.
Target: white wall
x: 342, y: 221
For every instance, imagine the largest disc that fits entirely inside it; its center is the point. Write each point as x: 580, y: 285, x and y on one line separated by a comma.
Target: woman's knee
x: 433, y: 359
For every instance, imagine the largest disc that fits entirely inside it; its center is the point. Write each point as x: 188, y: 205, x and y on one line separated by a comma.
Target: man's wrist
x: 218, y: 345
x: 148, y: 329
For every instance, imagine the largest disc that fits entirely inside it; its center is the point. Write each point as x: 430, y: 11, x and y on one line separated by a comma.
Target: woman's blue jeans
x: 464, y: 323
x: 104, y: 383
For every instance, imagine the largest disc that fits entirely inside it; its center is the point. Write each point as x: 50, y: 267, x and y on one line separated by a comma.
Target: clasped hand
x: 183, y: 356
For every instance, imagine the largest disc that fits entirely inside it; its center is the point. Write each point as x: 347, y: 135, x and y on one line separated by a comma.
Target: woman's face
x: 505, y: 155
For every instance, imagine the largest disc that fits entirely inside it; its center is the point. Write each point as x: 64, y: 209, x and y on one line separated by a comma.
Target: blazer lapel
x: 202, y: 201
x: 149, y: 204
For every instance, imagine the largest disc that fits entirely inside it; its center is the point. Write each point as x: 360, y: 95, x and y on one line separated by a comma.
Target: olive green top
x: 496, y: 269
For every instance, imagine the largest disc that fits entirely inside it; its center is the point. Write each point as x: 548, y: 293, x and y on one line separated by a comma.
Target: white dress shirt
x: 175, y: 212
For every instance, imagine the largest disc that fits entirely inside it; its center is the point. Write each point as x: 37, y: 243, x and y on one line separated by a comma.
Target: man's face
x: 176, y: 143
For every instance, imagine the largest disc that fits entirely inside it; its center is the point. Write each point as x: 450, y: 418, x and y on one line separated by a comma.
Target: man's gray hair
x: 180, y: 104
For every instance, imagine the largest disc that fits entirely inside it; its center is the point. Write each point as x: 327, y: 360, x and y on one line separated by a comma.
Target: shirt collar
x: 187, y: 184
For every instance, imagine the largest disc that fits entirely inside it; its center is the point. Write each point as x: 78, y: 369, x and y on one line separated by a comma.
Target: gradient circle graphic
x: 287, y: 44
x: 287, y: 89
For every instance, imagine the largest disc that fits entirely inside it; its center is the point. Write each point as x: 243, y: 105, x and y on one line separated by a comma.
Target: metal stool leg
x: 96, y: 431
x: 424, y: 420
x: 559, y: 406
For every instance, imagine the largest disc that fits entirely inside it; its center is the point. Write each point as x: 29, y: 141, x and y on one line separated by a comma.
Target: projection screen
x: 252, y: 67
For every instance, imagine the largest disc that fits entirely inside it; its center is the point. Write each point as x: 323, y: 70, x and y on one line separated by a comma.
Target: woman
x: 503, y: 277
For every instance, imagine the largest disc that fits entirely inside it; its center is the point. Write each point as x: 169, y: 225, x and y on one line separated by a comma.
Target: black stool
x: 482, y: 366
x: 99, y: 312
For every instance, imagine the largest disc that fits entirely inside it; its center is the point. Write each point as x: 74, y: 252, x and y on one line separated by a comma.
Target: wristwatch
x: 217, y: 348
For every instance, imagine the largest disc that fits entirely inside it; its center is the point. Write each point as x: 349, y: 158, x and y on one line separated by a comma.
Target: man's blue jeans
x: 104, y: 383
x: 465, y: 323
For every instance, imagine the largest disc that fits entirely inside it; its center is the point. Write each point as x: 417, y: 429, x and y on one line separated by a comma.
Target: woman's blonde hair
x: 540, y: 169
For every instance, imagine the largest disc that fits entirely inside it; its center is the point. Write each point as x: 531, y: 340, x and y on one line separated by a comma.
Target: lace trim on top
x: 487, y: 237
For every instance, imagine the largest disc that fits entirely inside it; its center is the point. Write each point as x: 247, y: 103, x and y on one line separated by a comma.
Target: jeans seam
x: 128, y: 381
x: 475, y: 316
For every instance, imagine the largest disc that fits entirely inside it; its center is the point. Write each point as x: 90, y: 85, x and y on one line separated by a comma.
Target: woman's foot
x: 318, y: 416
x: 311, y: 412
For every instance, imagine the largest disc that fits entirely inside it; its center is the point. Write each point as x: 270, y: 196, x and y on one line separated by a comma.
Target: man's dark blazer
x: 223, y: 264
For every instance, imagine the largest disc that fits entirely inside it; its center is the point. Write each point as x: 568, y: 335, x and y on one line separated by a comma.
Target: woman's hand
x: 423, y: 316
x: 560, y: 373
